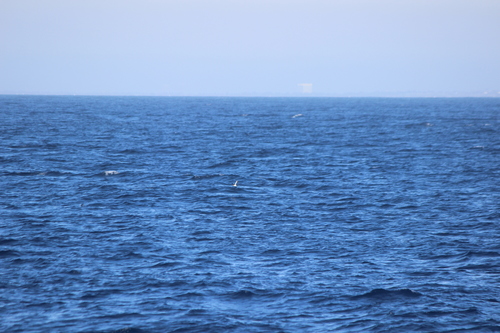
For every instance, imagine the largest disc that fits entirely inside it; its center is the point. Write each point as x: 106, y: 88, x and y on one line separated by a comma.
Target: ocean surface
x: 120, y: 214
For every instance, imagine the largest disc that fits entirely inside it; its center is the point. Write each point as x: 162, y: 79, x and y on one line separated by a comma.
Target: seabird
x: 236, y: 183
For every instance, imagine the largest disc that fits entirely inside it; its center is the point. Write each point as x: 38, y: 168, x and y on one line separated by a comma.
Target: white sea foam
x: 111, y: 172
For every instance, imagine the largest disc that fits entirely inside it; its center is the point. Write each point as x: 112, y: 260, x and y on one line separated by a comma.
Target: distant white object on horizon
x: 236, y: 183
x: 307, y: 88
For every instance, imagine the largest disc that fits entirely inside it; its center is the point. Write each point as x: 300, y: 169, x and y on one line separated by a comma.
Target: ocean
x: 185, y: 214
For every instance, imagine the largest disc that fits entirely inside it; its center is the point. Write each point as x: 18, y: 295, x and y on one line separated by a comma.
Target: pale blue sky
x: 250, y: 47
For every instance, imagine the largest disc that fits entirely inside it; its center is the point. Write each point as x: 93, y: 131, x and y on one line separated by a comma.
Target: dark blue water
x: 119, y: 214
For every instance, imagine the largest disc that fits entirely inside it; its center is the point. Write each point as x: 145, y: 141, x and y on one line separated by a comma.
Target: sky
x: 250, y: 47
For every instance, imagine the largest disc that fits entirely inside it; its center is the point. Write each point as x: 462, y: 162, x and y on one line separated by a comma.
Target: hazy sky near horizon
x: 248, y: 47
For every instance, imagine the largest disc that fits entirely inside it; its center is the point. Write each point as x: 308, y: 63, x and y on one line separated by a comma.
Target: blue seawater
x: 119, y: 214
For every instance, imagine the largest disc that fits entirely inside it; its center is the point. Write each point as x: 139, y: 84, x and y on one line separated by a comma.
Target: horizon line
x: 308, y: 95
